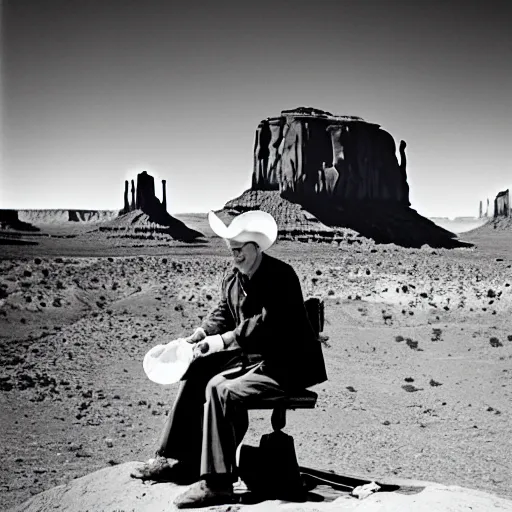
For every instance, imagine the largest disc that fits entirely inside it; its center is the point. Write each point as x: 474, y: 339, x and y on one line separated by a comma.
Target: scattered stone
x: 410, y: 388
x: 495, y: 342
x: 412, y: 344
x: 82, y: 454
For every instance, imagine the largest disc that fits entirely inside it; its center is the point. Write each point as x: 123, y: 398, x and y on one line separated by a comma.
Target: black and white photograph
x: 255, y: 255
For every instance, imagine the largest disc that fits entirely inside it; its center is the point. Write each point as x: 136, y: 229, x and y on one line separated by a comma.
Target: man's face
x: 244, y: 254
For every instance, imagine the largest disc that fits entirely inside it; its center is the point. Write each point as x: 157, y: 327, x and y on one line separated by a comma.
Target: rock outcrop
x: 305, y: 153
x: 9, y: 219
x: 502, y: 204
x: 126, y: 207
x: 164, y: 195
x: 132, y: 204
x: 147, y: 214
x: 344, y: 172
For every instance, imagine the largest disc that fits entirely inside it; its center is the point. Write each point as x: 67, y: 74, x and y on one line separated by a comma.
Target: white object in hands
x: 166, y: 364
x: 209, y: 345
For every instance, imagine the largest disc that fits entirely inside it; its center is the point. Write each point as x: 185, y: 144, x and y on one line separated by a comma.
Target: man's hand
x: 229, y: 338
x: 198, y: 336
x: 209, y: 345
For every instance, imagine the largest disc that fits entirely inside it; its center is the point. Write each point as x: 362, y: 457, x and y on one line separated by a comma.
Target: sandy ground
x: 419, y: 357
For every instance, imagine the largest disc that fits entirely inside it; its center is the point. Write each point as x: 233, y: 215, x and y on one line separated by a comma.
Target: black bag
x: 271, y: 470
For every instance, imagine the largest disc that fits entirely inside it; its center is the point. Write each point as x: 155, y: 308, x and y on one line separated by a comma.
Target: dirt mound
x: 493, y: 225
x: 294, y: 222
x: 377, y: 222
x: 458, y: 224
x: 137, y: 221
x: 112, y: 489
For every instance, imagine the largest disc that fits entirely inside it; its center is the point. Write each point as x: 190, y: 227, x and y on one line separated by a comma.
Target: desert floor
x: 419, y: 356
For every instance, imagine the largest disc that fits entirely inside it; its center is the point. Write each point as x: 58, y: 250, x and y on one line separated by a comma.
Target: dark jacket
x: 268, y: 317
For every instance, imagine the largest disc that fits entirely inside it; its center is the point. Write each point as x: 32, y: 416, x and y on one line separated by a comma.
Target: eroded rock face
x: 147, y: 212
x: 126, y: 206
x: 306, y: 152
x: 343, y: 172
x: 502, y: 204
x: 9, y: 219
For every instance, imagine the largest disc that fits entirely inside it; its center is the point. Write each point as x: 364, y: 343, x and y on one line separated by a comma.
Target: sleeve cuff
x: 215, y: 343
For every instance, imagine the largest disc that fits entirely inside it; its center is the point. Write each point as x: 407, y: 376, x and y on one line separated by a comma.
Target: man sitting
x: 257, y: 343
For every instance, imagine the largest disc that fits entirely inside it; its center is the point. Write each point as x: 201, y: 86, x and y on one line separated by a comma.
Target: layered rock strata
x: 9, y: 219
x: 344, y: 172
x: 307, y: 153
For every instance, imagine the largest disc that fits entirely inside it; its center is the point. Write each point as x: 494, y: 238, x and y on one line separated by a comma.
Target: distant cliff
x: 306, y: 153
x: 59, y: 216
x: 147, y: 213
x: 344, y: 173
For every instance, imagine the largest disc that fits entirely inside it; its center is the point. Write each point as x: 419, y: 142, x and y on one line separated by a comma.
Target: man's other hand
x: 198, y: 336
x: 210, y: 345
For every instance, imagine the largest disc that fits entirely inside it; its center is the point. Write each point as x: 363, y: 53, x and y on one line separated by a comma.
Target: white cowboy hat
x: 254, y: 226
x: 166, y: 364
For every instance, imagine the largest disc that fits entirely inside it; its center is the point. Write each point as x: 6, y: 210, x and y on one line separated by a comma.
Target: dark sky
x: 95, y: 91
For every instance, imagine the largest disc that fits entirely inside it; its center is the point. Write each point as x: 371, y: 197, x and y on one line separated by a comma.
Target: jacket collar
x: 244, y: 278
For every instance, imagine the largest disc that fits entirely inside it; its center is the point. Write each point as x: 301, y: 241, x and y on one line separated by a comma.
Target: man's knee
x: 225, y: 389
x: 215, y: 384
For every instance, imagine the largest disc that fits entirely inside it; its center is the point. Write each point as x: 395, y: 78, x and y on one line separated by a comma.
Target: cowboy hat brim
x: 253, y: 226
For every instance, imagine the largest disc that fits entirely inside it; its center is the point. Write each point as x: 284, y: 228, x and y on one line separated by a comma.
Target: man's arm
x: 258, y: 333
x: 220, y: 319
